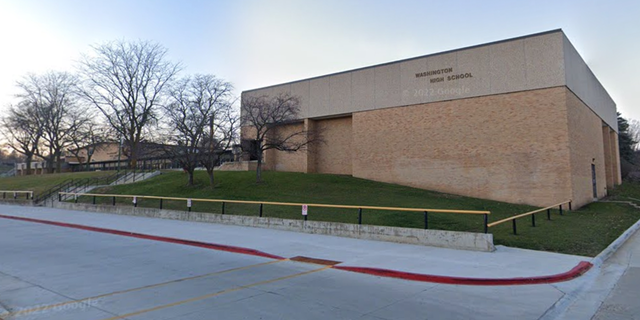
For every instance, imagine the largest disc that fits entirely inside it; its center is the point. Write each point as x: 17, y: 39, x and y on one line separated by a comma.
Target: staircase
x: 9, y: 173
x: 88, y: 184
x: 134, y: 176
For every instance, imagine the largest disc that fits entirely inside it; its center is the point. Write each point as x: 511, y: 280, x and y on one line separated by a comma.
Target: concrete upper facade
x: 531, y: 62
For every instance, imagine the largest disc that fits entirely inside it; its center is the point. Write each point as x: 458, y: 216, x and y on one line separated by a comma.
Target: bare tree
x: 222, y: 134
x: 127, y: 81
x: 634, y: 132
x: 199, y: 106
x: 23, y: 132
x: 53, y: 98
x: 264, y: 117
x: 10, y: 156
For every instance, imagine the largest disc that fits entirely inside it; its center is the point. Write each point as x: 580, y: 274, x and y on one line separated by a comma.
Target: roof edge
x: 413, y: 58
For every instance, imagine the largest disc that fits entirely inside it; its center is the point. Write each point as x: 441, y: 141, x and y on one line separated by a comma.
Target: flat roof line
x: 409, y: 59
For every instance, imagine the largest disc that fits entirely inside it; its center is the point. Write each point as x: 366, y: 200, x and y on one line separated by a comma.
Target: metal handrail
x: 532, y: 214
x: 51, y: 191
x: 484, y: 213
x: 75, y: 184
x: 16, y: 192
x: 297, y: 204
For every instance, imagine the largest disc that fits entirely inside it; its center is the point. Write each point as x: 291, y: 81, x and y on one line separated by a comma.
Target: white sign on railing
x: 189, y: 203
x: 305, y: 209
x: 135, y: 200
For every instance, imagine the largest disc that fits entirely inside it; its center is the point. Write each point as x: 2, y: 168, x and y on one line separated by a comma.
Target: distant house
x: 37, y: 167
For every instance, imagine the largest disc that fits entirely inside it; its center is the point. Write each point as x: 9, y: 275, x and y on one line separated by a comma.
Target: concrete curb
x: 562, y: 305
x: 577, y: 271
x: 615, y: 245
x: 19, y: 202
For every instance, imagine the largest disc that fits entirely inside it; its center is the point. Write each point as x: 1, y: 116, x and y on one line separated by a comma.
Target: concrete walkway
x: 505, y: 262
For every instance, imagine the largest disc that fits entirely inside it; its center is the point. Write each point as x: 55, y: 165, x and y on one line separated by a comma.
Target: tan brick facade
x: 534, y: 147
x: 505, y: 147
x: 587, y: 148
x: 335, y: 153
x: 286, y: 161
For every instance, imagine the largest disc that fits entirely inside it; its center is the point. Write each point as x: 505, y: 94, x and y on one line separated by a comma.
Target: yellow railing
x: 295, y: 204
x: 532, y: 214
x: 15, y: 193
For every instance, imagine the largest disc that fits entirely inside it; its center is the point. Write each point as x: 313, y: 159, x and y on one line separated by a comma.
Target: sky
x: 254, y: 43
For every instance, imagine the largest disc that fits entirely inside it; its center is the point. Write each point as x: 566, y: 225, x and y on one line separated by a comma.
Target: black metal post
x: 4, y: 195
x: 533, y: 220
x: 160, y: 203
x: 76, y: 198
x: 189, y: 209
x: 486, y: 223
x: 560, y: 209
x: 222, y: 207
x: 514, y: 226
x: 261, y: 210
x: 570, y: 206
x: 360, y: 216
x: 426, y: 220
x: 94, y: 200
x: 113, y: 202
x: 27, y: 195
x: 548, y: 214
x: 305, y: 217
x: 59, y: 197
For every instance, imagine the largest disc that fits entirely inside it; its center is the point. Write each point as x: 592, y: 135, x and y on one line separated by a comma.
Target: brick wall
x: 533, y: 147
x: 509, y: 147
x: 587, y: 147
x: 283, y: 160
x: 334, y: 154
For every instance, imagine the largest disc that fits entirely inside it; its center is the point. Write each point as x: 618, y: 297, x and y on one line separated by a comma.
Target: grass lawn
x: 584, y: 232
x: 629, y: 192
x: 40, y: 183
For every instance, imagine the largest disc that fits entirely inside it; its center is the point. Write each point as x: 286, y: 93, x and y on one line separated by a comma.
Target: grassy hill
x: 40, y: 183
x: 585, y: 232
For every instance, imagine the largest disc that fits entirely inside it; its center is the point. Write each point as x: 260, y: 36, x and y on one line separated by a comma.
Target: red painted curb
x: 206, y: 245
x: 577, y: 271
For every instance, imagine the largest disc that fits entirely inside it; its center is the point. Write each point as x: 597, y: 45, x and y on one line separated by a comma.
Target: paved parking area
x: 52, y: 272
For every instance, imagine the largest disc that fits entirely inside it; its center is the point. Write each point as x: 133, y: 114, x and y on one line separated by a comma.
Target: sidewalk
x: 505, y: 262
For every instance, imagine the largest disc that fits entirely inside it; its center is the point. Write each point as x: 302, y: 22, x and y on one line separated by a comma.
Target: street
x: 53, y: 272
